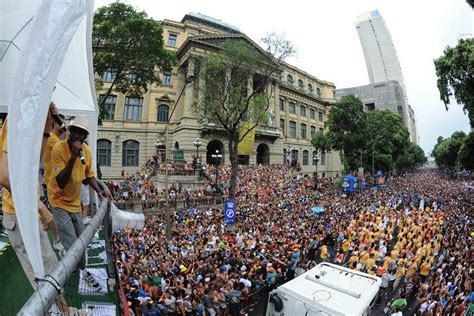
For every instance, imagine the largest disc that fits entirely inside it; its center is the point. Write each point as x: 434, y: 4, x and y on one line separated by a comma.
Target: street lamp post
x: 217, y: 157
x: 316, y: 159
x: 158, y: 144
x: 197, y: 143
x: 167, y: 157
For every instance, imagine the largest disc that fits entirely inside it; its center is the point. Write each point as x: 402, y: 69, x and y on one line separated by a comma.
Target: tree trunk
x: 233, y: 141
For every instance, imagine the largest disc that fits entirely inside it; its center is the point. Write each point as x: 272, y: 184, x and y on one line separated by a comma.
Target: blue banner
x: 350, y: 184
x: 229, y: 211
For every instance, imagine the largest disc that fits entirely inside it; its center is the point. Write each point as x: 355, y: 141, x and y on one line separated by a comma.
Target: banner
x: 350, y: 184
x: 229, y: 210
x: 245, y: 147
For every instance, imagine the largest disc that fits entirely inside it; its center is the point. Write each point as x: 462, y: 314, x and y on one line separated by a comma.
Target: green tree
x: 387, y: 138
x: 455, y: 71
x: 128, y: 44
x: 321, y: 142
x: 446, y: 151
x: 411, y: 156
x: 238, y: 84
x: 347, y: 126
x: 466, y: 152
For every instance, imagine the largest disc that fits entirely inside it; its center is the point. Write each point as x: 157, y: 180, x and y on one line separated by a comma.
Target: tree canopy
x: 455, y: 71
x: 238, y: 85
x: 362, y: 137
x: 447, y: 152
x: 129, y: 45
x: 347, y: 129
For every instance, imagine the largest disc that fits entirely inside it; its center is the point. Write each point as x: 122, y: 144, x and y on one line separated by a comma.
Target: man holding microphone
x: 71, y: 164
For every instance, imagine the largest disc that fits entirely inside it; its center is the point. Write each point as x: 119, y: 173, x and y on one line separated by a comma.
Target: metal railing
x: 152, y: 206
x: 49, y: 288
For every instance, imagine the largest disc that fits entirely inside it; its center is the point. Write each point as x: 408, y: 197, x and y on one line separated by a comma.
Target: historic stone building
x: 299, y: 106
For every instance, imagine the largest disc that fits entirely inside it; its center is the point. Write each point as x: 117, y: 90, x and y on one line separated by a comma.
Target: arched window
x: 310, y: 88
x: 130, y: 153
x: 104, y: 152
x: 300, y: 84
x: 305, y: 157
x: 318, y: 92
x: 163, y: 111
x: 289, y: 80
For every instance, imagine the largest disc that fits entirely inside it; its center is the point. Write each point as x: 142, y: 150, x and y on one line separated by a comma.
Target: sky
x: 328, y: 47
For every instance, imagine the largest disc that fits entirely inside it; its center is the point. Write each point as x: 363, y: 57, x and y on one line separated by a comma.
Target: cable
x: 48, y: 281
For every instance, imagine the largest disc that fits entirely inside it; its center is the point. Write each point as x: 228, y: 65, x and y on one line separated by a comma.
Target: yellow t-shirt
x: 345, y: 245
x: 425, y: 268
x: 68, y: 198
x: 7, y: 200
x: 324, y: 252
x: 52, y: 140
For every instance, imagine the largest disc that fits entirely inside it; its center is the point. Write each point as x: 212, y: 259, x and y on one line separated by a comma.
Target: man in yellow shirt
x: 54, y: 137
x: 71, y: 164
x: 324, y: 253
x: 9, y: 215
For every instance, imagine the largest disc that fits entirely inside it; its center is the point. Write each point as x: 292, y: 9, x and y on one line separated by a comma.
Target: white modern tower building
x: 382, y: 60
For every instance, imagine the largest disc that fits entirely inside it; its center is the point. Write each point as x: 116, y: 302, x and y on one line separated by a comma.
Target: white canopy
x: 44, y: 46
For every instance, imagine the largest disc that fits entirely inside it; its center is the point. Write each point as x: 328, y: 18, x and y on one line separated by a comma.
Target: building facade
x: 298, y: 108
x: 382, y: 63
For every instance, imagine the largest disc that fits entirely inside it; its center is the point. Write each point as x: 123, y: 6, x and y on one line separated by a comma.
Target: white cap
x: 80, y: 121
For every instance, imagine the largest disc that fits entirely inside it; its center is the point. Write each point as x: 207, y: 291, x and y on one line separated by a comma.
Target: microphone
x: 81, y: 157
x: 57, y: 119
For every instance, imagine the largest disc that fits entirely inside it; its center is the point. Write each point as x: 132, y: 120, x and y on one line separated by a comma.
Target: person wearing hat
x: 71, y: 164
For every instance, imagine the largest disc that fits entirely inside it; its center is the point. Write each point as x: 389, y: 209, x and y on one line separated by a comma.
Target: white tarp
x: 122, y: 219
x: 43, y: 44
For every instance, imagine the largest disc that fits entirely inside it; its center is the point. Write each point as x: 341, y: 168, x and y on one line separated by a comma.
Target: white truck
x: 326, y: 289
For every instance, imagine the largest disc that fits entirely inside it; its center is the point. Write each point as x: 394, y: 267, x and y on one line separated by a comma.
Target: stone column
x: 189, y: 92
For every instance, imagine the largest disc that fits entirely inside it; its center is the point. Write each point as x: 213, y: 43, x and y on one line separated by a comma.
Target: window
x: 320, y: 116
x: 312, y: 114
x: 294, y: 157
x: 313, y: 131
x: 282, y: 124
x: 321, y: 129
x: 110, y: 106
x: 133, y: 109
x: 293, y: 129
x: 104, y: 152
x: 310, y: 88
x: 303, y: 131
x: 108, y: 76
x: 323, y: 158
x: 302, y: 110
x: 167, y: 79
x: 292, y: 107
x: 315, y: 154
x: 282, y: 105
x: 300, y: 84
x: 289, y: 80
x: 318, y: 92
x: 172, y: 40
x: 163, y: 111
x: 305, y: 157
x: 130, y: 153
x: 369, y: 107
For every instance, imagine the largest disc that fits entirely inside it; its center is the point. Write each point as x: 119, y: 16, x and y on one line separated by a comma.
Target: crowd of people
x: 140, y: 187
x: 414, y: 233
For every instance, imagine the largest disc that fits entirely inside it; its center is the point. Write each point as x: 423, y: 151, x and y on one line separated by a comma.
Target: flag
x: 245, y: 147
